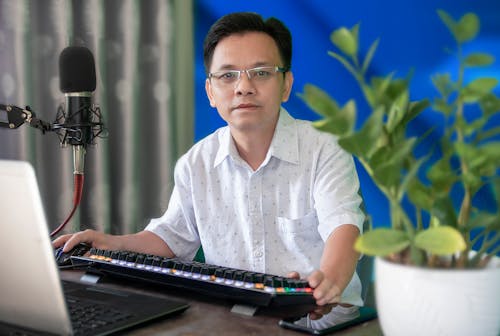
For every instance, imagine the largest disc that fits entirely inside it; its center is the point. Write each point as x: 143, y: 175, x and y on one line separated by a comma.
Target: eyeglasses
x: 231, y: 77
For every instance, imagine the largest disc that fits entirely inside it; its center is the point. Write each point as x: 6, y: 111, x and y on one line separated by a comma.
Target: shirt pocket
x: 300, y: 235
x: 297, y: 226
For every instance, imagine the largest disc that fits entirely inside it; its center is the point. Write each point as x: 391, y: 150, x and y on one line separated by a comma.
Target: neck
x: 253, y: 146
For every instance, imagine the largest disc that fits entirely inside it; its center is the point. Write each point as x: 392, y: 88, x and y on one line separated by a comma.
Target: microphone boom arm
x: 17, y: 116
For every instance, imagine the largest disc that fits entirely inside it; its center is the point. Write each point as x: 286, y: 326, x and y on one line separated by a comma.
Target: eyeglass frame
x: 275, y: 68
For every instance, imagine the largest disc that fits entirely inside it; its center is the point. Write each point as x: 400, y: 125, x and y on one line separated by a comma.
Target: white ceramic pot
x: 422, y: 301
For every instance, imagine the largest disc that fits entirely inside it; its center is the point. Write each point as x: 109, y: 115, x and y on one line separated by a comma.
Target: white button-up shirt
x: 272, y: 220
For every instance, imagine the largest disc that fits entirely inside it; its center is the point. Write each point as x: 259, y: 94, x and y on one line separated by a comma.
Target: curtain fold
x: 136, y: 45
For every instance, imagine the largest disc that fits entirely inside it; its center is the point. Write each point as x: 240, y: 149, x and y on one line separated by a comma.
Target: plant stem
x: 466, y: 204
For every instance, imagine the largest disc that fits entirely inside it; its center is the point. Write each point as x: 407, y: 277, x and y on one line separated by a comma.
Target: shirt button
x: 258, y: 254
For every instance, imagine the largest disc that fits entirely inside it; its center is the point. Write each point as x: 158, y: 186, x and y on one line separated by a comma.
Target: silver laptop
x: 31, y: 292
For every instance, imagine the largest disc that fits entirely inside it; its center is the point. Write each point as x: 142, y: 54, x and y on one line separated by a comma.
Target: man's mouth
x: 245, y: 106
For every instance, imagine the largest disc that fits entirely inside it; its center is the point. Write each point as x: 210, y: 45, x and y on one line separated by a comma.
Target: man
x: 267, y: 192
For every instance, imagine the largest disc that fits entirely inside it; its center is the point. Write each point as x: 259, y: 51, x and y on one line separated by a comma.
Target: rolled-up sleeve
x: 177, y: 226
x: 336, y: 191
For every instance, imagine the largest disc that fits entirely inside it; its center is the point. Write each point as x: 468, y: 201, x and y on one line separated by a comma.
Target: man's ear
x: 208, y: 90
x: 287, y: 86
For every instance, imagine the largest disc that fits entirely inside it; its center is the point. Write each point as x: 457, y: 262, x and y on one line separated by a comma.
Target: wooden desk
x: 208, y: 316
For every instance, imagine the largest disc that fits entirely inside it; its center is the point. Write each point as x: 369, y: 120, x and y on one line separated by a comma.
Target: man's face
x: 248, y: 104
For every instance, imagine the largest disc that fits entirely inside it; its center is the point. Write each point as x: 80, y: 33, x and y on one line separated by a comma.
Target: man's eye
x: 228, y: 75
x: 262, y: 73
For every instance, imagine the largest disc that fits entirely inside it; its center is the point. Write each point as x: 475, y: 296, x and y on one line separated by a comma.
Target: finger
x: 61, y: 240
x: 315, y: 278
x: 320, y: 311
x: 86, y: 236
x: 327, y: 293
x: 328, y: 299
x: 293, y: 275
x: 70, y: 243
x: 315, y: 316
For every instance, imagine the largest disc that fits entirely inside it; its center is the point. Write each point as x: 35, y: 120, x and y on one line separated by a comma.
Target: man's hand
x: 93, y: 238
x: 325, y: 291
x: 142, y: 242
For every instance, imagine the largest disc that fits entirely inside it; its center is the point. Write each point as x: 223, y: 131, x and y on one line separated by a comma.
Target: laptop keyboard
x: 90, y: 318
x: 94, y: 310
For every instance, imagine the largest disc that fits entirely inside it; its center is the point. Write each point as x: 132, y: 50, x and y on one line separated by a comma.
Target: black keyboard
x: 87, y: 318
x: 237, y: 285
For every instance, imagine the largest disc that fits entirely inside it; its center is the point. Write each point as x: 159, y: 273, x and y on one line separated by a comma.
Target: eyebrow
x: 255, y: 65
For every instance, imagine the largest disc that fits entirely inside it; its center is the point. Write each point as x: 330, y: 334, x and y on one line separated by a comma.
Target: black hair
x: 242, y: 22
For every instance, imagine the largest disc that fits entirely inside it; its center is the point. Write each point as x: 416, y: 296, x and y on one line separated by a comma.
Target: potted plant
x: 437, y: 270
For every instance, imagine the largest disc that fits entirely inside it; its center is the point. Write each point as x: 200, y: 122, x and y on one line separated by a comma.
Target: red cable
x: 77, y: 197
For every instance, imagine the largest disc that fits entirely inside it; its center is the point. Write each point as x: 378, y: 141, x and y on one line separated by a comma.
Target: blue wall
x: 411, y: 37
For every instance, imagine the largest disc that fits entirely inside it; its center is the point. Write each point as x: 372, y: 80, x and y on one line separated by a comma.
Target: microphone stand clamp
x: 17, y: 116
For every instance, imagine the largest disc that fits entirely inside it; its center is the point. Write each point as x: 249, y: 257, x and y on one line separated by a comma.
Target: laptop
x: 31, y: 292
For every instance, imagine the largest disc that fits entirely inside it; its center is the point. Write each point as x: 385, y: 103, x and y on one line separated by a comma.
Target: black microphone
x: 77, y: 82
x: 75, y: 124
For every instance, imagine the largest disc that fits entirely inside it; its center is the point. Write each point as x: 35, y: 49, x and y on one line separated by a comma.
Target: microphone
x: 75, y: 123
x: 78, y: 123
x: 77, y: 82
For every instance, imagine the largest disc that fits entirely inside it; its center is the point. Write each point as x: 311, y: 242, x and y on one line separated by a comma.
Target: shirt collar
x: 284, y: 145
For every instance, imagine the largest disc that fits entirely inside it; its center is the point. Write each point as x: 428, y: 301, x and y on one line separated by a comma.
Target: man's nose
x: 244, y: 85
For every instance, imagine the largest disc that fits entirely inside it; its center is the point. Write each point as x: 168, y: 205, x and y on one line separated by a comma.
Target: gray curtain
x: 144, y: 63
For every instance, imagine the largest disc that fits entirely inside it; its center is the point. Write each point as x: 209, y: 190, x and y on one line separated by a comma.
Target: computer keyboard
x: 237, y: 285
x: 87, y: 318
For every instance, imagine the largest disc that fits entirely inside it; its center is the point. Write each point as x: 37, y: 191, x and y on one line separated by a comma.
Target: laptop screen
x: 30, y: 288
x: 31, y: 293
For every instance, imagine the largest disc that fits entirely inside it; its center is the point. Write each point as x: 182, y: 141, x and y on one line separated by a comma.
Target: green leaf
x: 420, y: 195
x: 363, y: 143
x: 478, y: 157
x: 388, y: 156
x: 369, y: 55
x: 441, y: 175
x: 440, y: 240
x: 341, y: 123
x: 492, y: 151
x: 474, y: 126
x: 397, y: 111
x: 472, y: 181
x: 319, y: 101
x: 444, y: 211
x: 495, y: 188
x: 490, y: 104
x: 369, y: 94
x: 343, y: 39
x: 444, y: 84
x: 327, y: 125
x: 478, y: 88
x: 465, y: 29
x: 344, y: 62
x: 355, y: 32
x: 440, y: 105
x: 414, y: 109
x: 478, y: 59
x: 491, y: 133
x: 388, y: 179
x: 410, y: 178
x: 485, y: 220
x: 381, y: 85
x: 347, y: 116
x: 448, y: 21
x: 382, y: 242
x: 394, y: 90
x: 447, y: 146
